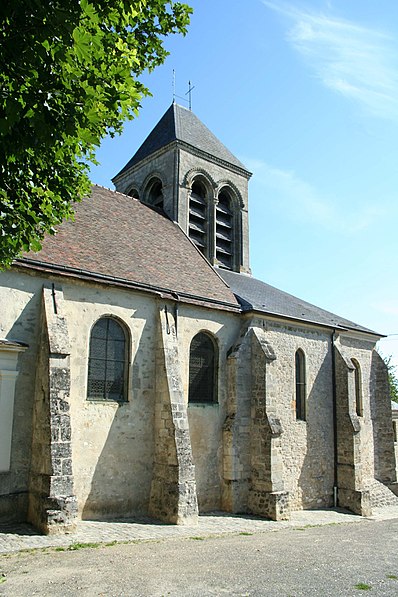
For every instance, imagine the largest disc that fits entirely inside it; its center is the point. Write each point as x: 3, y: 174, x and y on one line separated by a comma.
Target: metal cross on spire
x: 188, y: 93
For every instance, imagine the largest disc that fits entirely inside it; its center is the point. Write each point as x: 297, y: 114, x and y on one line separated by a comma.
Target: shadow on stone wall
x: 380, y: 410
x: 15, y: 482
x: 121, y: 479
x: 316, y: 476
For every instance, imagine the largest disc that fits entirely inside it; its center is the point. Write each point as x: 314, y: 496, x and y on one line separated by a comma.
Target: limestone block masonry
x: 173, y: 492
x: 52, y: 503
x: 9, y: 352
x: 267, y: 495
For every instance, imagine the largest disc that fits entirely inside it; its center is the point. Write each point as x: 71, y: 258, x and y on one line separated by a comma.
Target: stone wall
x: 173, y: 491
x: 239, y: 453
x: 20, y: 321
x: 113, y: 442
x: 206, y: 420
x: 52, y: 502
x: 307, y: 446
x: 268, y: 454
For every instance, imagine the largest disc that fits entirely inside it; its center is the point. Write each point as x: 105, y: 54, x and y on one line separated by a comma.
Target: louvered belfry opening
x: 107, y: 361
x: 224, y: 231
x: 198, y: 217
x: 202, y: 369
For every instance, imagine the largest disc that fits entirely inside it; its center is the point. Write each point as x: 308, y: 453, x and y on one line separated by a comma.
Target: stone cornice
x: 190, y: 149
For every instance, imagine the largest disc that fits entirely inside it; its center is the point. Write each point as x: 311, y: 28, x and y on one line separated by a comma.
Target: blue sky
x: 305, y: 94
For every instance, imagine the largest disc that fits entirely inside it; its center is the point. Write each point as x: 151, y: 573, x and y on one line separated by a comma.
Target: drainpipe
x: 335, y: 488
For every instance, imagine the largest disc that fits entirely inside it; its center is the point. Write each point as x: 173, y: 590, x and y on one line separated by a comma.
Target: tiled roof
x: 255, y: 295
x: 121, y: 240
x: 180, y: 124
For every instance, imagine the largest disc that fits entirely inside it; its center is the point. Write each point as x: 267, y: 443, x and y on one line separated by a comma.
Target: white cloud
x: 357, y: 62
x: 299, y: 199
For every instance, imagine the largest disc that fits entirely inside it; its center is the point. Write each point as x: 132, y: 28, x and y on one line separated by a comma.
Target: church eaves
x: 117, y: 240
x: 179, y: 124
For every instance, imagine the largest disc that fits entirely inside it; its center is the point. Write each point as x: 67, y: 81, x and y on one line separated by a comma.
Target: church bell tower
x: 184, y: 171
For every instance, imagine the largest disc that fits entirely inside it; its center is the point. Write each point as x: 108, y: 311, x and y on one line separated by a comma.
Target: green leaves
x: 69, y: 75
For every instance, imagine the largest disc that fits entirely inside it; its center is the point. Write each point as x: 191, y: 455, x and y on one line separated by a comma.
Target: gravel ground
x: 332, y: 560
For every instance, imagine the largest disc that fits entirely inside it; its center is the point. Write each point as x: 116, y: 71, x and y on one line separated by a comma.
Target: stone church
x: 144, y: 371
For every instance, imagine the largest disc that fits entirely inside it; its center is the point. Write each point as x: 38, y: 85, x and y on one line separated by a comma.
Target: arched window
x: 154, y: 194
x: 301, y: 413
x: 224, y: 230
x: 133, y: 193
x: 198, y: 217
x: 202, y: 369
x: 107, y: 361
x: 358, y: 388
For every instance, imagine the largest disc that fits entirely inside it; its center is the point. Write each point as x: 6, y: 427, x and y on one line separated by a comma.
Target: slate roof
x: 12, y: 344
x: 117, y: 239
x: 255, y: 295
x: 180, y: 124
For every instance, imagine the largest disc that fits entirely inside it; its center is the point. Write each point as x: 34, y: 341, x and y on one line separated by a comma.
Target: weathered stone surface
x: 111, y: 446
x: 52, y: 503
x: 173, y: 491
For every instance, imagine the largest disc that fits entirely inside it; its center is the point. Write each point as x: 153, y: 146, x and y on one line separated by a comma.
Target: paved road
x: 329, y: 560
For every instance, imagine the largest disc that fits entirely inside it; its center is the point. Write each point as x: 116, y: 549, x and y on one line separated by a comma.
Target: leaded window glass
x: 358, y: 388
x: 107, y: 361
x: 301, y: 410
x: 202, y: 369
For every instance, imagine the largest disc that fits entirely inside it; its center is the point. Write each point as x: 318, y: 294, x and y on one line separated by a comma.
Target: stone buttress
x: 253, y: 464
x: 352, y: 493
x: 384, y: 453
x: 52, y: 503
x: 173, y: 491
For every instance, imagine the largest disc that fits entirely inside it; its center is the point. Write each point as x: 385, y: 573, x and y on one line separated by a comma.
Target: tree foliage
x: 69, y: 75
x: 392, y: 378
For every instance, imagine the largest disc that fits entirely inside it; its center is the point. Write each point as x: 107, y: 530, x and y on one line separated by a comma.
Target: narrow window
x: 198, y: 217
x: 301, y: 413
x: 107, y: 361
x: 202, y: 369
x: 224, y: 230
x: 358, y: 388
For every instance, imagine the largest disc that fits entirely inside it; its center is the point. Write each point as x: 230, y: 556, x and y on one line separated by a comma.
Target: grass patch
x: 197, y: 538
x: 362, y: 586
x: 76, y: 546
x: 2, y: 578
x: 392, y: 577
x: 245, y: 534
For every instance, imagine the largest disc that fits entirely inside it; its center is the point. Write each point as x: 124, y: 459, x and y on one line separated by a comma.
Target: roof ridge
x: 100, y: 186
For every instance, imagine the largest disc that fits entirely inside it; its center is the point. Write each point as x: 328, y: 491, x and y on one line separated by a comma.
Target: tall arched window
x: 107, y: 368
x: 358, y: 388
x: 301, y: 410
x: 224, y: 230
x: 198, y: 218
x: 202, y: 369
